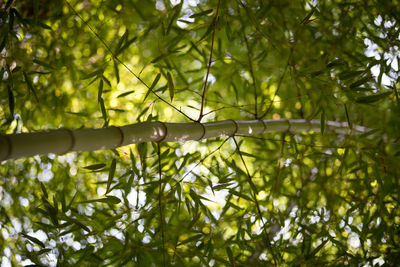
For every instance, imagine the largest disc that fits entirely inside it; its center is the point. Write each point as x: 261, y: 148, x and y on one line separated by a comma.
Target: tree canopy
x: 280, y: 198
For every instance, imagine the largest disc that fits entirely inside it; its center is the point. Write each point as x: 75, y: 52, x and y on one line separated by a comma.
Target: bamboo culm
x: 61, y: 141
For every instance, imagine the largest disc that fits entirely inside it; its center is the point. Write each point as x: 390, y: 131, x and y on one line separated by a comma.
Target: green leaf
x: 97, y: 73
x: 372, y: 98
x: 116, y: 70
x: 240, y: 195
x: 30, y: 86
x: 317, y: 249
x: 125, y: 94
x: 171, y: 86
x: 44, y: 190
x: 8, y: 4
x: 100, y: 90
x: 322, y: 121
x: 158, y: 58
x: 111, y: 174
x: 44, y: 64
x: 347, y: 116
x: 109, y: 199
x: 34, y: 240
x: 190, y: 239
x: 11, y: 101
x: 78, y: 223
x: 346, y: 75
x: 307, y: 18
x: 95, y: 166
x: 103, y: 109
x: 205, y: 12
x: 360, y: 82
x: 35, y: 9
x: 230, y: 255
x: 3, y: 42
x: 11, y: 21
x: 152, y: 85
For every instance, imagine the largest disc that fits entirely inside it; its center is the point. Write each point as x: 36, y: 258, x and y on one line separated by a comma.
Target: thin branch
x: 160, y: 205
x: 277, y: 89
x: 214, y: 23
x: 252, y: 74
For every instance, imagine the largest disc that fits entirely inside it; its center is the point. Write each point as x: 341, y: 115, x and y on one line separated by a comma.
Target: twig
x: 160, y: 204
x: 252, y: 74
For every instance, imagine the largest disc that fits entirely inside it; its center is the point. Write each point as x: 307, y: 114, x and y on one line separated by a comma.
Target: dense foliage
x: 277, y: 199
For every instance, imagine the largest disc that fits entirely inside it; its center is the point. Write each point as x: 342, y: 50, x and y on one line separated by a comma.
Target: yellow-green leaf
x: 171, y: 86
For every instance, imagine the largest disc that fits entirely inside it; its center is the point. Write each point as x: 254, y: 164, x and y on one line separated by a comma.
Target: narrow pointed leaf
x: 240, y: 195
x: 111, y: 174
x: 11, y: 101
x: 44, y: 190
x: 103, y: 109
x: 372, y: 98
x: 125, y: 94
x: 108, y: 199
x: 30, y: 86
x: 322, y: 121
x: 171, y: 86
x: 205, y: 12
x: 95, y: 166
x: 305, y: 20
x: 44, y: 64
x: 100, y: 90
x: 347, y: 116
x: 230, y: 255
x: 34, y: 240
x: 116, y: 70
x: 153, y: 85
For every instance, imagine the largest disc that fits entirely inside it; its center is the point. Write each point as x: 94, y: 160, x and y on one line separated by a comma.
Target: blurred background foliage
x: 277, y: 199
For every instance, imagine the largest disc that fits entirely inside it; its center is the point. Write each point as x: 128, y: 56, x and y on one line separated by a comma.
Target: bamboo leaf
x: 230, y: 255
x: 152, y: 85
x: 317, y: 249
x: 11, y: 101
x: 35, y: 9
x: 95, y: 166
x: 116, y: 70
x: 97, y: 73
x: 100, y: 90
x: 190, y: 239
x: 103, y: 109
x: 78, y: 223
x: 372, y: 98
x: 44, y: 190
x: 205, y: 12
x: 44, y: 64
x: 240, y: 195
x: 111, y: 175
x: 3, y: 43
x: 171, y: 86
x: 347, y: 116
x: 108, y: 199
x: 307, y: 18
x: 125, y: 94
x: 8, y: 4
x: 34, y: 240
x: 322, y: 121
x: 11, y: 21
x: 346, y: 75
x: 360, y: 82
x: 30, y: 86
